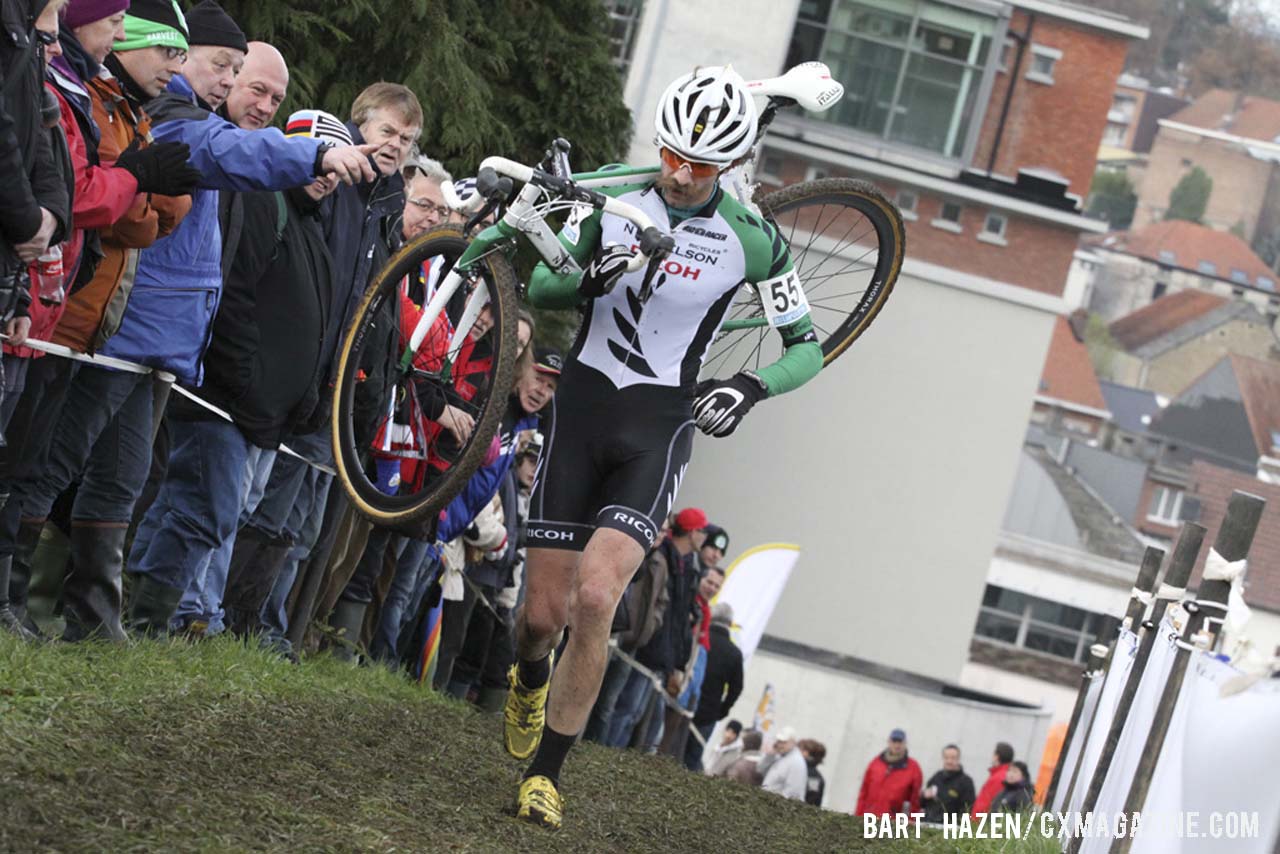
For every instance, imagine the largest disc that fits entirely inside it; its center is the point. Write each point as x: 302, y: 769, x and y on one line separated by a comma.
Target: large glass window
x: 912, y: 69
x: 1039, y: 624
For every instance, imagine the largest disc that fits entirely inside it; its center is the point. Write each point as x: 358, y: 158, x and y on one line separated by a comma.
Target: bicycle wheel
x: 846, y: 242
x: 382, y: 425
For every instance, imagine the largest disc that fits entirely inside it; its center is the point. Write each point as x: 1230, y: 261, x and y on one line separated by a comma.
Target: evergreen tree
x: 1112, y: 198
x: 1190, y: 197
x: 494, y: 76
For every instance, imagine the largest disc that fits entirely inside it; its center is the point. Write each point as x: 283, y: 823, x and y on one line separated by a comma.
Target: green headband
x: 140, y: 33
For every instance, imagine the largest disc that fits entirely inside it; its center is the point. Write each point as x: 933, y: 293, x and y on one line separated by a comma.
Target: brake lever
x: 657, y: 246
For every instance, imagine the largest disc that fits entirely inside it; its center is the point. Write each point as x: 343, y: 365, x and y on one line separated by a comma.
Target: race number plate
x: 783, y: 299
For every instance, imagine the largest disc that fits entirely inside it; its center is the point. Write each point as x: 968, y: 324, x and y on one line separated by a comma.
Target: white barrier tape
x: 1142, y: 596
x: 1218, y: 568
x: 164, y: 376
x: 99, y: 360
x: 661, y: 688
x: 1168, y: 591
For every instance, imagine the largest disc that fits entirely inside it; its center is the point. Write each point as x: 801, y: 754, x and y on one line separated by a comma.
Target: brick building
x: 1168, y: 344
x: 1232, y: 137
x: 1138, y: 266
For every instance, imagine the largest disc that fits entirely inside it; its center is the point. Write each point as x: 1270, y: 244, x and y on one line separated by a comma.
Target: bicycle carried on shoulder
x: 846, y: 242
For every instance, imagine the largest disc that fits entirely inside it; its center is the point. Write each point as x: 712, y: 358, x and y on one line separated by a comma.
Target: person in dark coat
x: 1016, y: 793
x: 721, y: 684
x: 949, y: 791
x: 814, y: 752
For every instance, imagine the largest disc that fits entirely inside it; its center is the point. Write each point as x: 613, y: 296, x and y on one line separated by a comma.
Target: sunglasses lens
x: 696, y: 170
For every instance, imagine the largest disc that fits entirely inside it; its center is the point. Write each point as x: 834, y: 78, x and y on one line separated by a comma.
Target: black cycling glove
x: 160, y: 168
x: 720, y: 405
x: 604, y: 271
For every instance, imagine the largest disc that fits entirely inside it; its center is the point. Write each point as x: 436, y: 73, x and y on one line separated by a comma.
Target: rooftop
x: 1132, y: 409
x: 1194, y: 247
x: 1230, y: 112
x: 1051, y: 504
x: 1161, y: 317
x: 1068, y: 375
x: 1213, y: 486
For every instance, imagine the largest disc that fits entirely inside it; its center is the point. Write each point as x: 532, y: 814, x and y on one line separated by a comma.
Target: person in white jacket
x: 784, y: 769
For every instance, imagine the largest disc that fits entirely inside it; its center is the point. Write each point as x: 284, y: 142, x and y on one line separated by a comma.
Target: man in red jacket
x: 892, y: 781
x: 1000, y: 761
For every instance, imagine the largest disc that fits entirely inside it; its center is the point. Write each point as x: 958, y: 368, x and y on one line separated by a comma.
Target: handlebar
x: 494, y: 179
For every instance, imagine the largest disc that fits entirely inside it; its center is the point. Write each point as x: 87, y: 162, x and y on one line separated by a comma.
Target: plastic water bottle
x: 49, y: 276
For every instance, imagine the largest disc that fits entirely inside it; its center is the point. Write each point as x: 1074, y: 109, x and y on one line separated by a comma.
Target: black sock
x: 534, y: 674
x: 551, y: 755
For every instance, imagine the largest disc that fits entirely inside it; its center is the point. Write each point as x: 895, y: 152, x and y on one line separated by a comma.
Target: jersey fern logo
x: 778, y: 249
x: 631, y: 354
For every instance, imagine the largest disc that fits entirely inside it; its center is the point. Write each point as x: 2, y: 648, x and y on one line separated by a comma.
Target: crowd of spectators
x: 151, y: 212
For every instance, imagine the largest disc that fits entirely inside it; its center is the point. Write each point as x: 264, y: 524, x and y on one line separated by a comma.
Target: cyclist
x: 621, y: 423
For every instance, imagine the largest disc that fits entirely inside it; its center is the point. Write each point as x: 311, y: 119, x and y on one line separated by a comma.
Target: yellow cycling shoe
x: 523, y: 716
x: 538, y: 802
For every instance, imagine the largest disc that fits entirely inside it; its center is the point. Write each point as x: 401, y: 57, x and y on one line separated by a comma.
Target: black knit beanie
x: 209, y: 24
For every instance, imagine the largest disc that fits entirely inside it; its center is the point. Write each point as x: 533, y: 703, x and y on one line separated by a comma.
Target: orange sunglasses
x: 698, y: 171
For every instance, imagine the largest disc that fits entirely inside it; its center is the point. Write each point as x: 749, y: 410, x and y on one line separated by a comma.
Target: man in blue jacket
x: 104, y: 435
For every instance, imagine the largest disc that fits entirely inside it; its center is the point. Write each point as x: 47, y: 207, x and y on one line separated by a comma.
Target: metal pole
x: 1233, y: 541
x: 1180, y: 566
x: 1086, y: 677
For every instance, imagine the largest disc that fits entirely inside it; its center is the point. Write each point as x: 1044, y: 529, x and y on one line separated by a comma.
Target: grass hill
x: 168, y: 746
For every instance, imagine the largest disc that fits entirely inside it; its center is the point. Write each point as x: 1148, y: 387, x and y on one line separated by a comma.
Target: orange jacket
x: 93, y: 312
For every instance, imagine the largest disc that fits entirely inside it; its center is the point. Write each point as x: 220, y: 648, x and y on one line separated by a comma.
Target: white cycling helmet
x: 707, y: 116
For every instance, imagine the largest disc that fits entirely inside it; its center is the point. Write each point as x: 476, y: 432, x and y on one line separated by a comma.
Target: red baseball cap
x: 691, y: 519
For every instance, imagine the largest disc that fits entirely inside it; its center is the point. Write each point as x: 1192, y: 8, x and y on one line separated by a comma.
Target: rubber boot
x: 151, y: 606
x: 20, y: 572
x: 9, y: 621
x: 492, y: 700
x: 347, y: 619
x: 255, y: 565
x: 50, y: 565
x: 91, y: 595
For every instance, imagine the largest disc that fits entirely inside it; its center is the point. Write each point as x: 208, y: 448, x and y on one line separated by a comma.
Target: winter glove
x: 720, y: 405
x: 604, y: 271
x: 160, y: 168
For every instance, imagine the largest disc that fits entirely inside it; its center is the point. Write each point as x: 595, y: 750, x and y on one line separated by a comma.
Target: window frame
x: 911, y: 212
x: 1164, y: 491
x: 1041, y: 51
x: 945, y: 224
x: 1091, y: 628
x: 996, y: 238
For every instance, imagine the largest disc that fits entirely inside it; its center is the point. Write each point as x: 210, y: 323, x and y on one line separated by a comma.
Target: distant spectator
x: 1016, y: 793
x: 713, y: 547
x: 950, y: 790
x: 892, y: 781
x: 721, y: 681
x: 747, y: 769
x: 784, y: 769
x: 814, y: 752
x: 727, y: 752
x: 999, y: 766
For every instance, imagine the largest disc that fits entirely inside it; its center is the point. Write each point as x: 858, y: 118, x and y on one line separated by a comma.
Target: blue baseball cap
x: 898, y: 735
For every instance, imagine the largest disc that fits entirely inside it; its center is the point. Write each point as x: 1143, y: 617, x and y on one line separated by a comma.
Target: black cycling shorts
x: 612, y: 458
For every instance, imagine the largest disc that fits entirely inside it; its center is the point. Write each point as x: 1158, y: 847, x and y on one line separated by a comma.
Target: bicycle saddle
x: 809, y: 84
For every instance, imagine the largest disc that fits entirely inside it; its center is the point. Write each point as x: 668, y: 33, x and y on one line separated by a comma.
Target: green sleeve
x: 767, y: 258
x: 798, y: 364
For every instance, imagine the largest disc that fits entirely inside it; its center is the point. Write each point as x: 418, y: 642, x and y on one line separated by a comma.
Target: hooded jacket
x: 93, y: 309
x: 887, y: 786
x: 263, y: 362
x: 169, y: 318
x: 102, y: 195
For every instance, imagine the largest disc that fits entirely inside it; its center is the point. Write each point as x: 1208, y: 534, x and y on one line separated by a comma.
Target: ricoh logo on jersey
x: 678, y: 267
x: 549, y: 535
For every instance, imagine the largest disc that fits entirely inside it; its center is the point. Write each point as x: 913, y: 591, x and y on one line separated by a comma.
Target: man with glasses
x: 623, y: 418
